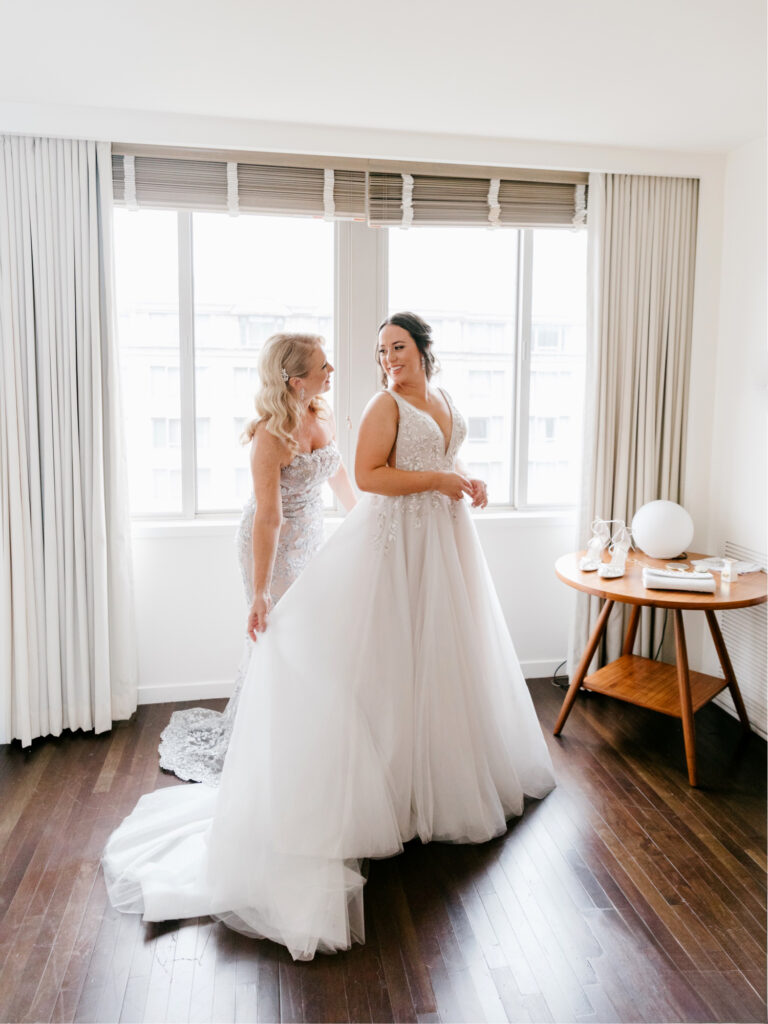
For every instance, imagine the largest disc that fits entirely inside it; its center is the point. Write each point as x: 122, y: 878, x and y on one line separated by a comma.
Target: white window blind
x: 381, y: 197
x: 454, y: 201
x: 165, y: 182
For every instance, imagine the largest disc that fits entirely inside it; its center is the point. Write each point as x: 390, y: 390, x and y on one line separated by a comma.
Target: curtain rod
x: 351, y: 163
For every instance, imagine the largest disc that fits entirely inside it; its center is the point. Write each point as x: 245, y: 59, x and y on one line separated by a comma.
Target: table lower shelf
x: 651, y: 684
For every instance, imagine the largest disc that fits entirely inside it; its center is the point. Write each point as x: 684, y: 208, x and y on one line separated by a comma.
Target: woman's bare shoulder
x: 268, y: 449
x: 382, y: 404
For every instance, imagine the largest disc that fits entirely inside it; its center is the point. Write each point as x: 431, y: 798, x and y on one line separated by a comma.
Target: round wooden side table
x: 671, y: 689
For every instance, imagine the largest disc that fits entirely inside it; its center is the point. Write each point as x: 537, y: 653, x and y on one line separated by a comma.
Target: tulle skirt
x: 385, y: 701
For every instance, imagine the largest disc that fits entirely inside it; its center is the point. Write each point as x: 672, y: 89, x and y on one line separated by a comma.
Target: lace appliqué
x: 420, y: 447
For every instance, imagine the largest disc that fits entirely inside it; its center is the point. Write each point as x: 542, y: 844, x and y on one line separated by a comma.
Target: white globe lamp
x: 662, y: 529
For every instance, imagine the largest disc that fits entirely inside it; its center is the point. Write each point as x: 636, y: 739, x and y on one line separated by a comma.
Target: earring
x: 423, y: 363
x: 302, y: 393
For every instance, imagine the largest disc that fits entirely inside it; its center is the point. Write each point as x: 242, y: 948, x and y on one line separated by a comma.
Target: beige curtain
x: 642, y: 243
x: 67, y: 642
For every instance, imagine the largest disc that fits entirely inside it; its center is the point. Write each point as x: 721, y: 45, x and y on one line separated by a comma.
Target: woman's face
x: 399, y: 356
x: 318, y: 378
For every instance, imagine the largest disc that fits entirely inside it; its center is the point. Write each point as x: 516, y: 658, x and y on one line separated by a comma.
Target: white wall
x: 187, y: 587
x: 191, y: 610
x: 738, y: 502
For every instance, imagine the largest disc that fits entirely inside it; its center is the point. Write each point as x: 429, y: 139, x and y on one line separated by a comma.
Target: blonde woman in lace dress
x: 292, y: 455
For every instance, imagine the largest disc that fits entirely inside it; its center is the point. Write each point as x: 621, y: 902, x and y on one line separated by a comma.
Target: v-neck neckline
x: 429, y: 415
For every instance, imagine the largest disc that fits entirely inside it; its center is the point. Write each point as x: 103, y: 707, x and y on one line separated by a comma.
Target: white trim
x: 163, y: 693
x: 233, y: 199
x: 129, y: 175
x: 494, y: 209
x: 213, y: 689
x: 225, y: 526
x: 407, y: 204
x: 539, y: 668
x: 187, y: 364
x: 329, y: 206
x: 580, y: 206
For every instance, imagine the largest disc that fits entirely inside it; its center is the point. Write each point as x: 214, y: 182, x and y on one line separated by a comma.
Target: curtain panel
x: 641, y: 255
x: 67, y: 638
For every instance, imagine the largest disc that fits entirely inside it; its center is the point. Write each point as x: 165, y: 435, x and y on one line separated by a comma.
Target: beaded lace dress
x: 194, y: 743
x: 384, y: 701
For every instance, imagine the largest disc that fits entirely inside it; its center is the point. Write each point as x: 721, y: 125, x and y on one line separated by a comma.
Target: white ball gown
x: 384, y: 701
x: 194, y: 743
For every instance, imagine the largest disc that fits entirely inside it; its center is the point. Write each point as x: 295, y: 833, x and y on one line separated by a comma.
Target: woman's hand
x: 257, y: 616
x: 478, y: 493
x: 453, y: 485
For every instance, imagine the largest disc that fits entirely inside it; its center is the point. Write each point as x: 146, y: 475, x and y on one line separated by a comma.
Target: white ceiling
x: 664, y: 74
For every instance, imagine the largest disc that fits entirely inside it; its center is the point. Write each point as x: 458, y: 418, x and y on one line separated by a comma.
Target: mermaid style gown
x: 385, y: 701
x: 194, y: 743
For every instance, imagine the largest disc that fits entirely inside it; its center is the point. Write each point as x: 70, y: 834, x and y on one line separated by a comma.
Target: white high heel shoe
x: 621, y: 542
x: 596, y: 544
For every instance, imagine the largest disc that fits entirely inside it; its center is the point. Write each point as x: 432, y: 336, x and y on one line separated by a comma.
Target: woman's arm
x: 267, y: 456
x: 340, y: 483
x: 375, y: 443
x: 341, y: 486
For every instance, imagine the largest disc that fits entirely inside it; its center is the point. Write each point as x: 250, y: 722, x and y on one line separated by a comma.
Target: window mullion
x: 524, y: 307
x: 342, y: 337
x: 187, y: 365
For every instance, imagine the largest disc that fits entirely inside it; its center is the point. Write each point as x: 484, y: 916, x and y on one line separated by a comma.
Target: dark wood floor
x: 624, y: 896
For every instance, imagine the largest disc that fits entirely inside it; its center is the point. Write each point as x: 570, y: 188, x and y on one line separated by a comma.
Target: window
x: 556, y: 371
x: 199, y: 293
x: 508, y: 313
x: 545, y: 338
x: 197, y: 296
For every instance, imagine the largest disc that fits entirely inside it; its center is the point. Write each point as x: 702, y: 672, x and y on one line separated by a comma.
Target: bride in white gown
x: 384, y: 701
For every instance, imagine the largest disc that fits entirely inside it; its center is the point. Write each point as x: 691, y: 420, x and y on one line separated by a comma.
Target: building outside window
x: 507, y: 309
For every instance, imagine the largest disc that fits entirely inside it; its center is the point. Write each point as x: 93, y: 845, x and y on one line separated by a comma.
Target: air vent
x: 745, y: 631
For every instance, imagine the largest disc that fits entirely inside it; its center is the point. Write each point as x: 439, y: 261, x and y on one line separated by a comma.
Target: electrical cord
x: 561, y: 685
x: 663, y: 631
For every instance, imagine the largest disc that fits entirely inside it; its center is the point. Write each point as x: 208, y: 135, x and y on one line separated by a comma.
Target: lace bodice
x: 420, y: 441
x: 301, y: 533
x: 420, y: 445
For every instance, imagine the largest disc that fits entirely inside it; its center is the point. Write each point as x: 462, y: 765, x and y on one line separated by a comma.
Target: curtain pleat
x: 641, y: 251
x: 67, y: 648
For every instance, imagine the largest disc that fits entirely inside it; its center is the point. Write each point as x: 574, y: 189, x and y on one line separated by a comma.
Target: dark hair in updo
x: 421, y: 333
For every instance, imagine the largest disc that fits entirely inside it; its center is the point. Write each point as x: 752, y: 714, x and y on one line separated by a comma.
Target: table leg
x: 634, y: 622
x: 725, y: 662
x: 686, y: 707
x: 581, y: 671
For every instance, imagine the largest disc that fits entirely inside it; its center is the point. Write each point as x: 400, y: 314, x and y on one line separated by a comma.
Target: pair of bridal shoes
x: 601, y: 535
x: 618, y: 545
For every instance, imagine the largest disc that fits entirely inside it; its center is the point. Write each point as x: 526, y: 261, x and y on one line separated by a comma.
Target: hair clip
x: 284, y: 374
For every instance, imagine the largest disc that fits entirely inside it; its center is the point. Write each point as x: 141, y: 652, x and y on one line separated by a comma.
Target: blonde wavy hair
x: 278, y: 407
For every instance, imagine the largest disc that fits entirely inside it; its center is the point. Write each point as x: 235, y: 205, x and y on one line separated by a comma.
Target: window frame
x: 360, y: 303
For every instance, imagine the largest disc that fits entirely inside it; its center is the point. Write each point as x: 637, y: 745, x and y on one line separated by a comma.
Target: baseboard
x: 542, y: 668
x: 171, y: 692
x: 167, y: 693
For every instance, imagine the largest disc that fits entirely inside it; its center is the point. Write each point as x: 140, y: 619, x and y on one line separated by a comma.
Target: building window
x: 477, y: 428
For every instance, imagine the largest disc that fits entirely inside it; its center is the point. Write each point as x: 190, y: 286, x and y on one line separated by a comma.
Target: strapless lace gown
x: 385, y: 701
x: 194, y: 743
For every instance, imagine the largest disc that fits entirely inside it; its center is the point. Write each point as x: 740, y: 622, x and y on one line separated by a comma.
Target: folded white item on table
x: 717, y: 565
x: 663, y: 579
